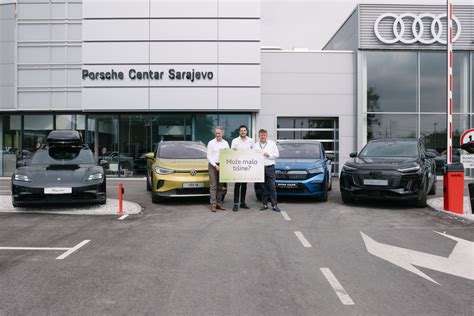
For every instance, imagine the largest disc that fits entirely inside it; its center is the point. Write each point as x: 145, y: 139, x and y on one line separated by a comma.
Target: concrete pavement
x: 178, y: 258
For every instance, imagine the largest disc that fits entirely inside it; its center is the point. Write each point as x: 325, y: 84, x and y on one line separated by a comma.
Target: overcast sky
x: 311, y: 23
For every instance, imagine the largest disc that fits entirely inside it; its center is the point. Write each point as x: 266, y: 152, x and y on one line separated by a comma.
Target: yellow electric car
x: 177, y: 169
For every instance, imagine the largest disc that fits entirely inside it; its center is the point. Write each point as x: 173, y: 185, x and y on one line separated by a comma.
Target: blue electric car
x: 303, y: 169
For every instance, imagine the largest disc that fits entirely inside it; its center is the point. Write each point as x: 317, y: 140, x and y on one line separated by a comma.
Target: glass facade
x: 406, y: 95
x: 121, y: 139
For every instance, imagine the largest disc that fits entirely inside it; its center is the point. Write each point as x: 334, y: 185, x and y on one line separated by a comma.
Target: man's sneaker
x: 276, y: 209
x: 264, y: 207
x: 245, y: 206
x: 235, y: 208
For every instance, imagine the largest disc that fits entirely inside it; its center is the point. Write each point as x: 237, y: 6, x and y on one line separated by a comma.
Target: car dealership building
x: 130, y: 73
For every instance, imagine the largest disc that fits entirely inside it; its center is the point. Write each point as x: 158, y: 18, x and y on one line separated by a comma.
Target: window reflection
x: 391, y: 81
x: 390, y: 126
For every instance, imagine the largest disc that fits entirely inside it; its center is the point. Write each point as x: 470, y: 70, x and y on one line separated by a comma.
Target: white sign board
x: 467, y: 161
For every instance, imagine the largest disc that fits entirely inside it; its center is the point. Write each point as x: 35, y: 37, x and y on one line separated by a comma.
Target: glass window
x: 291, y: 122
x: 390, y: 149
x: 433, y: 131
x: 172, y: 127
x: 300, y: 150
x: 204, y: 125
x: 433, y: 82
x: 102, y: 137
x: 10, y: 143
x: 36, y: 129
x: 461, y: 82
x: 391, y: 81
x: 135, y: 141
x: 383, y: 126
x: 180, y: 150
x: 296, y: 134
x: 231, y: 123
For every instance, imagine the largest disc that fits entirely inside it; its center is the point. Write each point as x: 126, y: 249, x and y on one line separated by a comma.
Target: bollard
x: 121, y: 191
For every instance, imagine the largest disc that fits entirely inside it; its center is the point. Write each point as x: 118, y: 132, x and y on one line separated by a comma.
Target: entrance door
x: 325, y: 130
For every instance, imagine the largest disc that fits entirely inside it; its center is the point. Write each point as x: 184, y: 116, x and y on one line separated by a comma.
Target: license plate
x: 57, y: 190
x: 375, y: 182
x: 193, y: 185
x: 287, y: 185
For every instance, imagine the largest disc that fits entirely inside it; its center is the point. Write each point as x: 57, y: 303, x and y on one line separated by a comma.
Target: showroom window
x: 324, y: 130
x: 391, y: 81
x: 10, y: 143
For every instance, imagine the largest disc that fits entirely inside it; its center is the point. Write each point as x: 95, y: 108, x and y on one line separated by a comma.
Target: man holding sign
x: 213, y: 150
x: 270, y: 152
x: 240, y: 188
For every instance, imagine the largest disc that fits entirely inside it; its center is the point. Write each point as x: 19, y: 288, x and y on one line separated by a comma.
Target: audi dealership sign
x: 409, y: 28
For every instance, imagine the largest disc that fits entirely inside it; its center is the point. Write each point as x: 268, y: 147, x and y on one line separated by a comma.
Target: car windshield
x: 300, y: 150
x: 182, y: 151
x: 63, y: 156
x: 390, y: 149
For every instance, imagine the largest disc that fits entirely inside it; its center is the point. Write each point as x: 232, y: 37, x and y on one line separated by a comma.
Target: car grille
x: 393, y: 180
x: 291, y: 175
x: 192, y: 191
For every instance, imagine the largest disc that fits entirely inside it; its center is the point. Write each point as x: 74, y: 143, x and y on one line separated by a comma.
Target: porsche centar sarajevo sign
x: 133, y: 74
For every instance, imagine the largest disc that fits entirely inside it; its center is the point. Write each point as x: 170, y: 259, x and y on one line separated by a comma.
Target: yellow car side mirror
x: 150, y: 155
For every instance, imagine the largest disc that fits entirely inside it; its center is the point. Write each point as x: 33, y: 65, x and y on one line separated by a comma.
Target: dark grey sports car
x: 62, y: 171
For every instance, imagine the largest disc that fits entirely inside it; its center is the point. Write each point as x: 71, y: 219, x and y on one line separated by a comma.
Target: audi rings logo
x: 193, y: 172
x: 418, y: 29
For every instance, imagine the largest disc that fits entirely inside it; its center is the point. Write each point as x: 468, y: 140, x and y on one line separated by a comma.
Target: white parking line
x: 285, y: 215
x: 73, y: 249
x: 303, y: 240
x: 32, y: 248
x: 121, y: 218
x: 341, y: 293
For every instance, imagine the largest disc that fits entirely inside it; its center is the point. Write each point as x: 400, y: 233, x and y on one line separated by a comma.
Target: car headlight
x: 316, y: 170
x: 409, y: 169
x: 23, y: 178
x: 348, y: 168
x: 163, y: 170
x: 95, y: 176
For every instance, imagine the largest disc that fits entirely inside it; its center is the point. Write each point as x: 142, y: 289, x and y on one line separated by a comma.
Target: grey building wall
x: 310, y: 84
x: 368, y: 14
x: 7, y: 55
x: 346, y: 38
x: 49, y: 54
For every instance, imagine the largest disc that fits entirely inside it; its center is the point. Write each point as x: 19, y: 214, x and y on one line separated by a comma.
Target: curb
x: 466, y: 217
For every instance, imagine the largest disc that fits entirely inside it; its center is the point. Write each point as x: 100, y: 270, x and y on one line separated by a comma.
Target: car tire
x: 421, y: 200
x: 324, y: 198
x: 148, y: 185
x: 103, y: 202
x: 346, y: 198
x: 156, y: 198
x: 433, y: 189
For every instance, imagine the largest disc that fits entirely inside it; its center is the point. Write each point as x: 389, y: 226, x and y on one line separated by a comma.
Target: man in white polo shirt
x: 216, y: 188
x: 270, y: 152
x: 240, y: 189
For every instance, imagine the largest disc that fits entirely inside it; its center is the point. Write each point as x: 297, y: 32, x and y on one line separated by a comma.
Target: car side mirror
x: 150, y: 155
x: 430, y: 155
x: 330, y: 157
x: 353, y: 155
x: 21, y: 163
x: 104, y: 163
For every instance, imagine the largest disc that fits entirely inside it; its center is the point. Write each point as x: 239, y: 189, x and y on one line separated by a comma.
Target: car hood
x: 382, y: 163
x: 59, y: 174
x: 182, y: 164
x: 298, y: 164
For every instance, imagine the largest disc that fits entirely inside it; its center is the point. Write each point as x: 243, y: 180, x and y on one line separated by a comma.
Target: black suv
x: 390, y: 169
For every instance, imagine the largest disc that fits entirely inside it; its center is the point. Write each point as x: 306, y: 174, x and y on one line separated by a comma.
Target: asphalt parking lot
x: 179, y: 258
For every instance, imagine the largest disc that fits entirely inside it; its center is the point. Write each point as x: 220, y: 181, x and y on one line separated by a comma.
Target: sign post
x: 449, y: 81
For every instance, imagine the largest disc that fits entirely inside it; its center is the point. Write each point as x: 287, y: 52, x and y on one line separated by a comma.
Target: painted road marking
x: 121, y: 218
x: 303, y: 240
x: 341, y: 293
x: 61, y: 257
x: 73, y: 249
x: 32, y: 248
x: 459, y: 262
x: 285, y: 215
